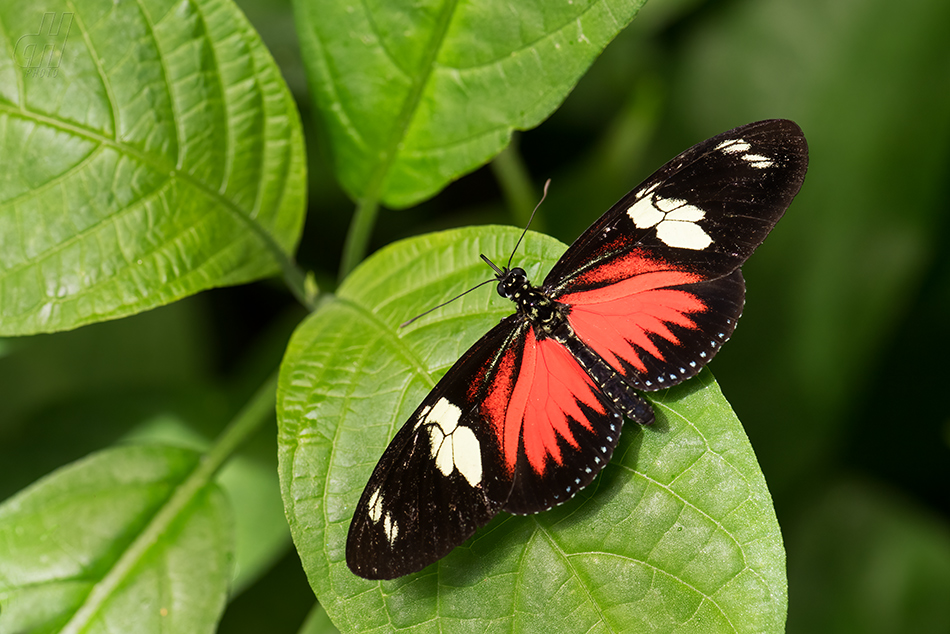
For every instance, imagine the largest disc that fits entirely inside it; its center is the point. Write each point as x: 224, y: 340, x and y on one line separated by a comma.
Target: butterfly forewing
x: 532, y: 412
x: 515, y: 424
x: 654, y: 285
x: 703, y: 212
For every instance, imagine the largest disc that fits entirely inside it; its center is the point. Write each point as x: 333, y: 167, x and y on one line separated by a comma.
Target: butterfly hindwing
x: 662, y: 330
x: 555, y: 428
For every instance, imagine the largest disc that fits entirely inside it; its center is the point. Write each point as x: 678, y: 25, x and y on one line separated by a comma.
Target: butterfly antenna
x: 498, y: 272
x: 406, y: 323
x: 530, y: 218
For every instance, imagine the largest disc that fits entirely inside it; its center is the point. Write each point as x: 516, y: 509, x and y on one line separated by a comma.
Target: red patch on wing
x: 496, y: 399
x: 632, y: 264
x: 535, y: 410
x: 615, y: 318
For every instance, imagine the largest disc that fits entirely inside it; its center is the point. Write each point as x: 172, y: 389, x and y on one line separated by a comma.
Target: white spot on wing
x: 738, y: 146
x: 684, y: 235
x: 734, y: 146
x: 468, y: 455
x: 453, y: 446
x: 675, y: 221
x: 758, y: 161
x: 391, y: 528
x: 685, y: 213
x: 445, y: 415
x: 649, y: 190
x: 421, y: 418
x: 443, y: 455
x: 375, y: 506
x: 644, y: 214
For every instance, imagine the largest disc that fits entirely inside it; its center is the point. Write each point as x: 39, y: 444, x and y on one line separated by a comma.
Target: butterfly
x: 532, y: 412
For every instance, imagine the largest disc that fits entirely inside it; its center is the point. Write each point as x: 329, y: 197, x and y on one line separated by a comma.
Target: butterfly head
x: 512, y: 282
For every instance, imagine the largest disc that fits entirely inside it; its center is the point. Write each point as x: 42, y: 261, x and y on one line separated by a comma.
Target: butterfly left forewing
x: 441, y: 477
x: 514, y: 425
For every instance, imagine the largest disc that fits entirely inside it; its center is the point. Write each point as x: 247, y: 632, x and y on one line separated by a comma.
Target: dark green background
x: 837, y: 369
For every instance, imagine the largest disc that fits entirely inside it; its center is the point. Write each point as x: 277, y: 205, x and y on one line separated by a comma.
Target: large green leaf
x: 678, y: 534
x: 117, y: 542
x: 414, y: 94
x: 155, y: 154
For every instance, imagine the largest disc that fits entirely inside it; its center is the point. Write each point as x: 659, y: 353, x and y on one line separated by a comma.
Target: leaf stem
x: 300, y: 284
x: 257, y: 411
x: 254, y: 414
x: 361, y: 227
x: 357, y: 238
x: 515, y: 182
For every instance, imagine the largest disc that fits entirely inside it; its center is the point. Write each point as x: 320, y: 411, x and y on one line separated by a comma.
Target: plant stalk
x: 257, y: 412
x: 513, y: 178
x: 358, y: 236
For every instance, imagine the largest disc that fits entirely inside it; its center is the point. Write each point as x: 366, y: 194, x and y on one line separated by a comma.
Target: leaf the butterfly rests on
x: 533, y: 411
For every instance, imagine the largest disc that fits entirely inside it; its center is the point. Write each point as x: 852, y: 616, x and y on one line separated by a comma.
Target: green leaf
x: 249, y: 480
x: 114, y: 373
x: 260, y: 529
x: 106, y: 545
x: 318, y: 622
x: 678, y: 534
x: 158, y: 153
x: 413, y: 95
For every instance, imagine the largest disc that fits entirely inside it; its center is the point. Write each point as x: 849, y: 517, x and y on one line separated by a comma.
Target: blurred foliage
x: 837, y: 371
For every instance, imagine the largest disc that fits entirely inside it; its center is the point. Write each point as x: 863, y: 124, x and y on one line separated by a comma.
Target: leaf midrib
x: 410, y: 104
x: 567, y: 557
x: 197, y: 480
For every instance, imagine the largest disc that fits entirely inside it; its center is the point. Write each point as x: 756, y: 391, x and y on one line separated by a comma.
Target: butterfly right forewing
x: 726, y: 194
x: 654, y: 285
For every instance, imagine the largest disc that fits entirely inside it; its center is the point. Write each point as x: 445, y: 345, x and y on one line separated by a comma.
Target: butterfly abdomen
x: 622, y: 395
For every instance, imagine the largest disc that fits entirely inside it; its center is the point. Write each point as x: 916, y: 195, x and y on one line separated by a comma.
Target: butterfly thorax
x: 548, y: 317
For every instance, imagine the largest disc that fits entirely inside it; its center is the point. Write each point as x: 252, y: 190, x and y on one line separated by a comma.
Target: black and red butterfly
x: 533, y: 411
